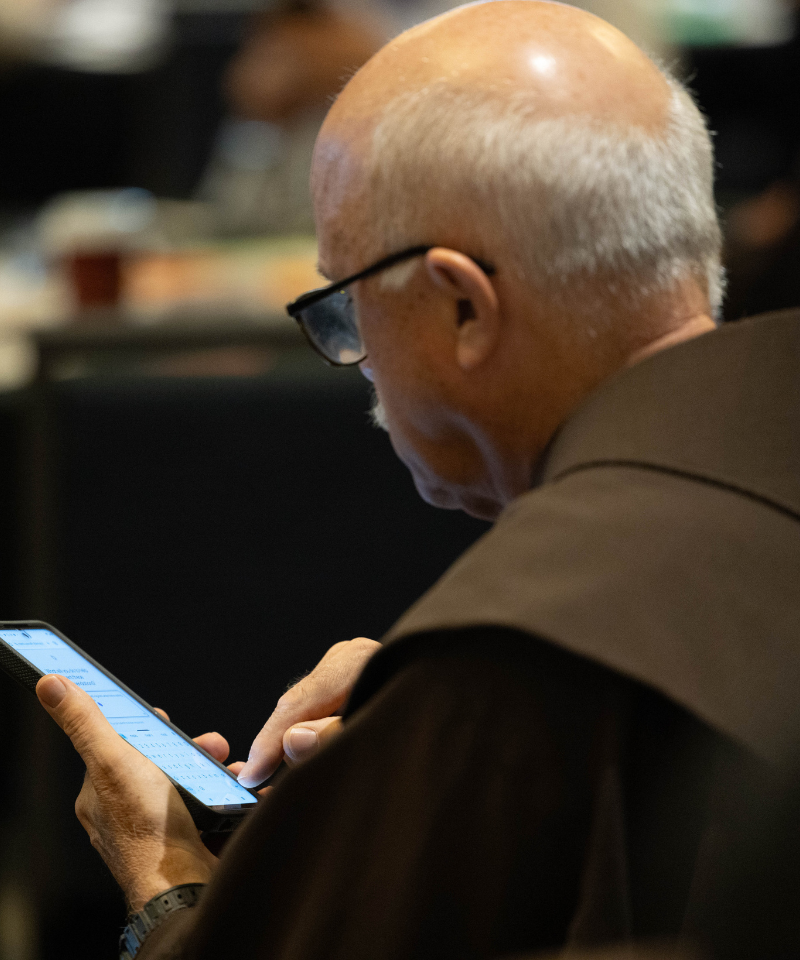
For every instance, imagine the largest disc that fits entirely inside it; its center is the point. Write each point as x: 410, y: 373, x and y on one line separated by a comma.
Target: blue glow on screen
x: 150, y: 735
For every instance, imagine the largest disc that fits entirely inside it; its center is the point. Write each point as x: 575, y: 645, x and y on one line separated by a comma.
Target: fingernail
x: 53, y: 692
x: 302, y: 740
x: 245, y: 776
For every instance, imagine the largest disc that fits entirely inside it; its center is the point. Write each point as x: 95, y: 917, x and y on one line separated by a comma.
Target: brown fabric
x: 724, y: 407
x: 495, y: 796
x: 664, y: 541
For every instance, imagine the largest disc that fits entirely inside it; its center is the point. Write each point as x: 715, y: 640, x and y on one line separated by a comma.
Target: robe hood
x: 662, y: 540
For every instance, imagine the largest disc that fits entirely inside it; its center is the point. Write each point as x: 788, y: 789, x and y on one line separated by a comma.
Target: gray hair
x: 569, y: 199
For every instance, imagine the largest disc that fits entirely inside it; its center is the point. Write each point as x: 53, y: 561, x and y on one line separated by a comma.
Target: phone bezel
x: 220, y: 810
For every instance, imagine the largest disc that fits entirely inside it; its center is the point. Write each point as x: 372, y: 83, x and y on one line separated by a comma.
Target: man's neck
x: 693, y: 327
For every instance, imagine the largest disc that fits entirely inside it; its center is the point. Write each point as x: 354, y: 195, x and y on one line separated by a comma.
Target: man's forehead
x: 340, y: 204
x: 337, y: 167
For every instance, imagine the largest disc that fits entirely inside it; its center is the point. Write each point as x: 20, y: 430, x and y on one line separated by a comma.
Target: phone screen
x: 177, y: 757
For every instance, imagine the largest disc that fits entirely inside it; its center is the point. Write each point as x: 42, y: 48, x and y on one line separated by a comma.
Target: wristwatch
x: 153, y: 914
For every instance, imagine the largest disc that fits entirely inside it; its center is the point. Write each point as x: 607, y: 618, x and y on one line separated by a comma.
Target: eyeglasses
x: 328, y: 319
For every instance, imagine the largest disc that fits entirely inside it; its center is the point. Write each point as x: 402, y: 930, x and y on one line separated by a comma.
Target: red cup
x: 96, y: 278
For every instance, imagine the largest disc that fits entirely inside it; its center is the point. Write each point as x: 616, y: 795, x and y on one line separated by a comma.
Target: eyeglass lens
x: 331, y: 326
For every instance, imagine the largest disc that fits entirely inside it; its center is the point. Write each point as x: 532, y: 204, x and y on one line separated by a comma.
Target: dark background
x: 209, y: 539
x: 215, y: 537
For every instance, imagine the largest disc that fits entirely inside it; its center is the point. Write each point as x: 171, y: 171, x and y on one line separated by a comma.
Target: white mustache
x: 377, y: 414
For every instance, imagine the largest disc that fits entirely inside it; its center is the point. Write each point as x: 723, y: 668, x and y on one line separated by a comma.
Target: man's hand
x: 134, y: 816
x: 302, y: 718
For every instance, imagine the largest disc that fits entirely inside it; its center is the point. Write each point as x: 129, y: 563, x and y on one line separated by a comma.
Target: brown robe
x: 568, y: 739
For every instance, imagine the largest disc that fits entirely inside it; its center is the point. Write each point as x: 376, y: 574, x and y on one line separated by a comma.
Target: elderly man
x: 515, y: 208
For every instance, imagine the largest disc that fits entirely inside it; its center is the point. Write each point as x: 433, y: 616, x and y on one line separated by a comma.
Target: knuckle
x: 75, y: 727
x: 341, y: 645
x: 83, y: 810
x: 82, y: 732
x: 95, y: 838
x: 364, y: 645
x: 295, y: 696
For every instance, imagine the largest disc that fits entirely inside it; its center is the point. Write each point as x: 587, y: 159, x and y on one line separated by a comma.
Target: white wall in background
x: 734, y: 22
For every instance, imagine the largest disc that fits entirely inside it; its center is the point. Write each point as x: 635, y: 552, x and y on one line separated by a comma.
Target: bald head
x: 531, y: 126
x: 563, y: 61
x: 534, y: 137
x: 569, y: 62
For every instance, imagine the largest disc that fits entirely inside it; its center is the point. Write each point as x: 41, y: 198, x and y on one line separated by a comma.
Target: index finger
x: 316, y: 696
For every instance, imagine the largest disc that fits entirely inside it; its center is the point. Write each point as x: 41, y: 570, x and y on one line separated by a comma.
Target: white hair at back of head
x: 569, y: 199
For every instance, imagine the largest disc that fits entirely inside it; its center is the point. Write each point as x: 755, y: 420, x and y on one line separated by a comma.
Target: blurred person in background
x: 279, y: 86
x: 557, y: 745
x: 763, y: 248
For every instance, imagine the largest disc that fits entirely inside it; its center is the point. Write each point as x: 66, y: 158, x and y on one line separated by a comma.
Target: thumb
x: 304, y: 739
x: 77, y: 715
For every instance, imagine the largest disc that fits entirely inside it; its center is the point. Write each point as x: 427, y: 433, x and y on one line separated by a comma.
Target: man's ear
x: 476, y: 309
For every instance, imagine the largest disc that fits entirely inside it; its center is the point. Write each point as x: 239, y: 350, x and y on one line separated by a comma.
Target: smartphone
x: 216, y: 800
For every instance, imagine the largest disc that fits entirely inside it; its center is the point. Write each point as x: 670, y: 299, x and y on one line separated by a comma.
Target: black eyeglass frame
x: 314, y: 296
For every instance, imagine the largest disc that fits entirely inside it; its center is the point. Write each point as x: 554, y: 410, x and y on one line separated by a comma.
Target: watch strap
x: 153, y: 914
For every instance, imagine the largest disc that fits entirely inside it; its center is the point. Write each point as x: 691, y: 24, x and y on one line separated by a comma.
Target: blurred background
x: 186, y: 490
